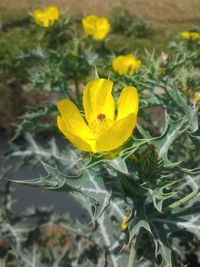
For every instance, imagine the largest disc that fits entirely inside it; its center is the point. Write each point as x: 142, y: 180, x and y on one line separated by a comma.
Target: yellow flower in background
x: 185, y: 35
x: 195, y: 35
x: 190, y: 35
x: 47, y: 16
x: 95, y: 26
x: 124, y: 224
x: 196, y: 97
x: 101, y: 130
x: 126, y: 64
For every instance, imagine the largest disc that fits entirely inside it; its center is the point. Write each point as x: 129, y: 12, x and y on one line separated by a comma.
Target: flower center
x: 100, y: 124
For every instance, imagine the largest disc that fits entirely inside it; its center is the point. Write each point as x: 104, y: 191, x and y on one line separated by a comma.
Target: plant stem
x: 131, y: 261
x: 78, y: 96
x: 184, y: 199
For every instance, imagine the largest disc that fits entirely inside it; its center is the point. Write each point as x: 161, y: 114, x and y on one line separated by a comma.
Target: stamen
x: 100, y: 124
x: 101, y: 116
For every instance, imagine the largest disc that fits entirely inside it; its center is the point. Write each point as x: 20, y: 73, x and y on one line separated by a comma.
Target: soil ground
x: 156, y: 10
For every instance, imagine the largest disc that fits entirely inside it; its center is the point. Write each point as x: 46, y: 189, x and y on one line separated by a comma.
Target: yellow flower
x: 190, y: 35
x: 195, y: 35
x: 127, y: 64
x: 100, y: 130
x: 97, y: 27
x: 185, y: 35
x: 196, y: 97
x: 47, y: 16
x: 124, y: 224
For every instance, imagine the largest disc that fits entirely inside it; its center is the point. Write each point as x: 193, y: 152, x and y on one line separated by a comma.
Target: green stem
x: 131, y: 261
x: 177, y: 203
x: 78, y: 96
x: 184, y: 199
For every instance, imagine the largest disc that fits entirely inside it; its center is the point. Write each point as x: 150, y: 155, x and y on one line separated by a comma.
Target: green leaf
x: 188, y: 189
x: 159, y: 196
x: 118, y: 164
x: 34, y: 152
x: 145, y: 134
x: 173, y: 129
x: 89, y: 183
x: 190, y: 113
x: 164, y: 225
x: 28, y: 120
x: 195, y: 137
x: 111, y: 243
x: 136, y: 225
x: 161, y: 235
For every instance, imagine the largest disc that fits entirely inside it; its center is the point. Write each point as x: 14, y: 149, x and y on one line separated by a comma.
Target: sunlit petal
x: 97, y: 27
x: 126, y: 64
x: 75, y: 140
x: 73, y: 119
x: 102, y: 29
x: 128, y: 102
x: 97, y: 99
x: 89, y: 24
x: 117, y: 134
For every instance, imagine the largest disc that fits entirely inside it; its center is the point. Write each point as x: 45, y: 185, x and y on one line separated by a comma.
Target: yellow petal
x: 128, y: 102
x: 75, y: 140
x: 73, y: 119
x: 118, y: 65
x: 126, y: 64
x: 41, y: 17
x: 117, y: 134
x: 195, y: 35
x: 185, y: 35
x: 89, y: 24
x: 46, y: 22
x: 97, y: 27
x: 53, y: 13
x: 196, y: 97
x: 38, y: 15
x: 97, y: 99
x: 102, y: 29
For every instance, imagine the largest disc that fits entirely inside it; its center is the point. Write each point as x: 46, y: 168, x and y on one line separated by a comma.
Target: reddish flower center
x: 101, y: 116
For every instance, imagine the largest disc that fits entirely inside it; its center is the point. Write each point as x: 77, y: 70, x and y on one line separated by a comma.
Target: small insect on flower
x: 101, y: 130
x: 189, y: 35
x: 124, y: 224
x: 97, y: 27
x: 126, y: 64
x: 47, y: 16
